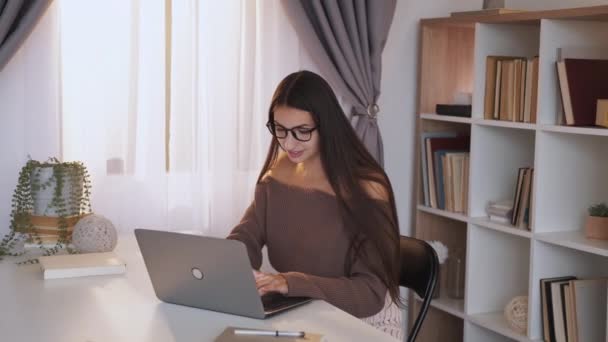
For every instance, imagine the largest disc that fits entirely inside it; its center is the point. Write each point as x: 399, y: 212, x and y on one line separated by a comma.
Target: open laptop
x: 207, y: 273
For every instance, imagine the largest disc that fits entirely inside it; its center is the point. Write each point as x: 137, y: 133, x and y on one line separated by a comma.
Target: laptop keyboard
x: 274, y: 301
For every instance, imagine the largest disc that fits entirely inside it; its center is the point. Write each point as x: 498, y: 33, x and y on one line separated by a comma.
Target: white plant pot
x: 44, y: 197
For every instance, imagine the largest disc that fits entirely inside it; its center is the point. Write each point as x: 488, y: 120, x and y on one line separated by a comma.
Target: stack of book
x: 521, y: 201
x: 573, y: 310
x: 500, y: 211
x: 445, y: 170
x: 582, y: 83
x: 511, y: 92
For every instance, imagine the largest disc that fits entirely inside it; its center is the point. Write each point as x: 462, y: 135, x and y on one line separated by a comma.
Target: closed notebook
x: 81, y: 265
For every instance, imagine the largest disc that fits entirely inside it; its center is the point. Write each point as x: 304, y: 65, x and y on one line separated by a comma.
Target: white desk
x: 125, y: 308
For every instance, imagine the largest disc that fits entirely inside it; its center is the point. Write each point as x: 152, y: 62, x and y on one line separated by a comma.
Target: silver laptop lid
x: 202, y: 272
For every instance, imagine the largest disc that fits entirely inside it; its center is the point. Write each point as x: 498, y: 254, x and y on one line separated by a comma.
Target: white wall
x: 399, y: 84
x: 28, y: 109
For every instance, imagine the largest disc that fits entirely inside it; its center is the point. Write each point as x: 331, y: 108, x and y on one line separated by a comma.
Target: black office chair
x: 419, y: 268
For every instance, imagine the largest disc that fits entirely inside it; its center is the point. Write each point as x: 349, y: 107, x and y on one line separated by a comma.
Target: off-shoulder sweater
x: 307, y: 243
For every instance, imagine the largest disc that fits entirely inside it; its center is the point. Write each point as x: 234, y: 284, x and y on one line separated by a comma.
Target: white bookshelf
x: 570, y: 171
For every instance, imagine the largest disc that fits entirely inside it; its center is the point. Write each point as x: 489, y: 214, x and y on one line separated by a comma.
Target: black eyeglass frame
x: 271, y: 127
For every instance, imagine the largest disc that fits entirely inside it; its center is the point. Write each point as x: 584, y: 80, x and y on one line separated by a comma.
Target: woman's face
x: 305, y: 144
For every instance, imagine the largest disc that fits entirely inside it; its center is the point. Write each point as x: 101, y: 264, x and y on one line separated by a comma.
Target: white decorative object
x: 440, y: 249
x: 516, y: 314
x: 93, y: 234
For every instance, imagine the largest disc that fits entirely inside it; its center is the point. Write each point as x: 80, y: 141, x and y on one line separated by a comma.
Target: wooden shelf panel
x: 575, y: 240
x: 596, y: 13
x: 506, y: 124
x: 501, y: 227
x: 576, y: 130
x: 446, y: 118
x: 444, y: 213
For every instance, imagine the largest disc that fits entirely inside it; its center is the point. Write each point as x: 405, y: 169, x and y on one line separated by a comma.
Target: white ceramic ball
x: 94, y: 234
x: 516, y: 314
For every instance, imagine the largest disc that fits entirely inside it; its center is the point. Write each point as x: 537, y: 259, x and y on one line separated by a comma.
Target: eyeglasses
x: 299, y: 133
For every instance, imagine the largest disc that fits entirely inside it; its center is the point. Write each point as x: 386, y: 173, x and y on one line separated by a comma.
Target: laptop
x: 207, y: 273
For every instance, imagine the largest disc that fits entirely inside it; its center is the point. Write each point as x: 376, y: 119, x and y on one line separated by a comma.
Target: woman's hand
x: 267, y: 282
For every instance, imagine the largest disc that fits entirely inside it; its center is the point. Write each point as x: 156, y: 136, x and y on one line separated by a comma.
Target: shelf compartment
x: 550, y: 260
x: 561, y: 34
x: 501, y: 227
x: 571, y: 175
x: 476, y: 333
x: 497, y: 322
x: 502, y: 275
x: 446, y: 50
x: 451, y: 326
x: 500, y: 40
x: 496, y: 155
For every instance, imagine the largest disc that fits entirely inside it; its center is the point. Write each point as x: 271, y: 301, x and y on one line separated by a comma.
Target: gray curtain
x: 346, y: 39
x: 17, y: 20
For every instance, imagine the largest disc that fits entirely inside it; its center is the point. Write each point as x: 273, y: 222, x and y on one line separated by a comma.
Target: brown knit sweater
x: 307, y: 243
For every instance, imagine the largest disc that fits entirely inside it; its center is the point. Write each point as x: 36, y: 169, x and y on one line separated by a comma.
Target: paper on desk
x: 229, y: 336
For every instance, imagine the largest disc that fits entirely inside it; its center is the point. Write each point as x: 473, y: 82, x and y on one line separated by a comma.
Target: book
x: 517, y: 196
x: 499, y: 219
x: 443, y: 177
x: 589, y: 302
x: 492, y: 90
x: 547, y: 306
x: 601, y: 114
x: 81, y: 265
x: 582, y: 83
x: 455, y: 144
x: 453, y: 110
x: 534, y: 90
x: 521, y: 219
x: 425, y: 170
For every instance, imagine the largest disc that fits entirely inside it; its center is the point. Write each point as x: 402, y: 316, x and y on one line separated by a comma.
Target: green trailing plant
x: 66, y: 175
x: 599, y: 210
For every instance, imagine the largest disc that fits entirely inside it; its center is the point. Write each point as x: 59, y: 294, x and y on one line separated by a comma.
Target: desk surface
x: 125, y: 308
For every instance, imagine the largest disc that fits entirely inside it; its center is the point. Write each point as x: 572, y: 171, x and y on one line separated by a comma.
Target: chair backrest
x: 418, y: 271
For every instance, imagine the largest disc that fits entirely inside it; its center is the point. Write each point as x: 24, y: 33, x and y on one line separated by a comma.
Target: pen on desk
x: 276, y: 333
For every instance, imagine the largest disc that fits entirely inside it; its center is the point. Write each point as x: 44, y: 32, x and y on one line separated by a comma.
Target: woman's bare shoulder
x: 280, y: 170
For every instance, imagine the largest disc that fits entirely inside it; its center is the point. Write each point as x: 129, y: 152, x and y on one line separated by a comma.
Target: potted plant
x: 596, y: 226
x: 50, y: 197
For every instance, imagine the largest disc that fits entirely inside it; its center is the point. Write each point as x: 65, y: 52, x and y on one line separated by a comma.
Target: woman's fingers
x: 266, y: 282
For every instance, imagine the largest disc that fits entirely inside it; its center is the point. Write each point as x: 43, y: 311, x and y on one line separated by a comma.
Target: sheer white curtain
x: 226, y: 59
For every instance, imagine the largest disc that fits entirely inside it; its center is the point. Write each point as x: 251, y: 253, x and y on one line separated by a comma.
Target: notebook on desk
x: 206, y: 273
x: 81, y: 265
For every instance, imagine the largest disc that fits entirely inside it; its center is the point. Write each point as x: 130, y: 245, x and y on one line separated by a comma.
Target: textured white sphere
x: 516, y: 314
x: 94, y: 234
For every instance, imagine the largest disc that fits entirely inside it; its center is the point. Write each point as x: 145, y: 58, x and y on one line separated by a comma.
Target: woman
x: 324, y: 208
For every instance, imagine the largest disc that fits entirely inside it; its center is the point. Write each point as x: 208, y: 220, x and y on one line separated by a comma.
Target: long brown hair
x: 347, y: 164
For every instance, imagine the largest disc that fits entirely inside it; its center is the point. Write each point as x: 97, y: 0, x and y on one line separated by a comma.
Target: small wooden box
x: 601, y: 115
